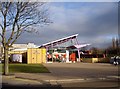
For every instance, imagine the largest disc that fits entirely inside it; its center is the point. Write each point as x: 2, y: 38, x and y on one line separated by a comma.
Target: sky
x: 95, y: 22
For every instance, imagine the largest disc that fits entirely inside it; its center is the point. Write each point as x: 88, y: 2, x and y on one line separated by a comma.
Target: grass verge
x: 26, y: 68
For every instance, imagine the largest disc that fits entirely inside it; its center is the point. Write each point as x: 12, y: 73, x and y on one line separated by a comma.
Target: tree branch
x: 1, y: 9
x: 13, y: 26
x: 1, y: 35
x: 1, y: 26
x: 19, y: 32
x: 18, y: 16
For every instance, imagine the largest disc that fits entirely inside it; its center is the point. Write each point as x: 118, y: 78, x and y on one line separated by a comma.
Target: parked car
x: 115, y: 59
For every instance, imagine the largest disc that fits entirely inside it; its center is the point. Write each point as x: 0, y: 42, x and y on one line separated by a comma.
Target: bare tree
x: 16, y: 18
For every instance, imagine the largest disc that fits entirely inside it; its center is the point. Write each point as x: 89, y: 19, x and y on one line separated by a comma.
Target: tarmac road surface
x: 64, y: 75
x: 82, y: 70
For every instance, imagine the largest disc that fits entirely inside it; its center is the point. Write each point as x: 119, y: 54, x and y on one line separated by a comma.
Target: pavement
x: 68, y: 75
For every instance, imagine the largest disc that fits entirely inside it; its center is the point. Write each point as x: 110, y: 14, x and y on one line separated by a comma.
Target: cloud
x: 95, y: 23
x: 83, y: 0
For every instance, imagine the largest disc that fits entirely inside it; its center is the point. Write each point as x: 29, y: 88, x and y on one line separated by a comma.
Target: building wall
x: 21, y: 52
x: 32, y: 55
x: 35, y: 55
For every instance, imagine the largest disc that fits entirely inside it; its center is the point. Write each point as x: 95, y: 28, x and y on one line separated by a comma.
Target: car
x: 112, y: 60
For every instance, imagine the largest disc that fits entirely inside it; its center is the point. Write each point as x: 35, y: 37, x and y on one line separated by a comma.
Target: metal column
x: 78, y: 50
x: 67, y: 56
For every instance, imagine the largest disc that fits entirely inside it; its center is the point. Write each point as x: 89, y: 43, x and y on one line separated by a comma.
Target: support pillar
x: 78, y: 55
x: 52, y: 52
x: 78, y: 50
x: 67, y: 56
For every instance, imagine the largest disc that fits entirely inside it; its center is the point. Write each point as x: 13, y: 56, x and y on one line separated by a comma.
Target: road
x: 95, y: 74
x: 83, y: 70
x: 69, y: 75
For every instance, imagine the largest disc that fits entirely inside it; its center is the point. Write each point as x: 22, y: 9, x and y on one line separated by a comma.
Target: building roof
x: 78, y: 46
x: 59, y: 41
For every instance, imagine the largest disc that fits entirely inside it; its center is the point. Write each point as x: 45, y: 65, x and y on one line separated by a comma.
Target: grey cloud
x: 94, y: 25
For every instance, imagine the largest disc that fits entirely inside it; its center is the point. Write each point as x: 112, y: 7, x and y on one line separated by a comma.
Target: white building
x: 20, y: 47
